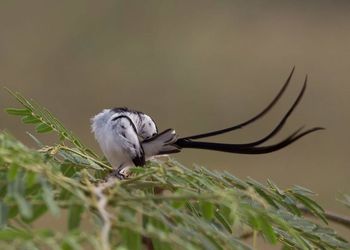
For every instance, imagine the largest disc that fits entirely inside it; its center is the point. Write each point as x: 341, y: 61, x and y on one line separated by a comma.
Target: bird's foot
x: 120, y: 173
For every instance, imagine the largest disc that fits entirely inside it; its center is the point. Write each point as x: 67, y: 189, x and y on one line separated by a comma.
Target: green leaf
x: 15, y: 111
x: 25, y: 208
x: 312, y: 206
x: 158, y: 244
x: 266, y: 228
x: 70, y: 243
x: 30, y: 178
x: 38, y: 211
x: 12, y: 173
x: 43, y: 128
x: 45, y: 233
x: 275, y: 188
x: 267, y: 197
x: 178, y: 203
x: 208, y: 209
x: 131, y: 239
x: 12, y: 234
x: 49, y: 197
x: 227, y: 213
x: 301, y: 190
x: 68, y: 169
x: 291, y: 204
x: 3, y: 214
x: 223, y: 221
x: 29, y: 119
x: 74, y: 216
x: 12, y: 211
x: 286, y: 247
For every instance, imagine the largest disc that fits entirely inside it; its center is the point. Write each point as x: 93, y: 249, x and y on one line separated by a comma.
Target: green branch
x: 170, y: 205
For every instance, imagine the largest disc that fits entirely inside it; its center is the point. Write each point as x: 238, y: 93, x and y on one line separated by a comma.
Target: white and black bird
x: 129, y: 138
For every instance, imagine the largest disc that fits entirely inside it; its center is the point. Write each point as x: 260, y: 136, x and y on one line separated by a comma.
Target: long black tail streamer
x: 251, y: 148
x: 251, y: 120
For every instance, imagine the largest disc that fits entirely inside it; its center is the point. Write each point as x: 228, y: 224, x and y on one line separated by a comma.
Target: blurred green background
x: 194, y: 66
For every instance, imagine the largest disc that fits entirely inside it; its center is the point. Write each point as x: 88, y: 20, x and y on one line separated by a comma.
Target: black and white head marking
x: 146, y: 126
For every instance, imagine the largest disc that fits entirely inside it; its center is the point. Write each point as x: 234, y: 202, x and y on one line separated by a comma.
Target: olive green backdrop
x: 193, y: 66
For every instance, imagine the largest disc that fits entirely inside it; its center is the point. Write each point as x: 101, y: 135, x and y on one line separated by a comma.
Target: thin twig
x: 331, y: 216
x: 85, y: 156
x: 171, y: 197
x: 101, y: 204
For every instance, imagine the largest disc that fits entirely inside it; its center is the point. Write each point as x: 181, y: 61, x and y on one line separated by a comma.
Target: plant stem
x: 332, y: 216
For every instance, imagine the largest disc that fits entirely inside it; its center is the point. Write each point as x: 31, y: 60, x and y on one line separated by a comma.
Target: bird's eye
x: 154, y: 134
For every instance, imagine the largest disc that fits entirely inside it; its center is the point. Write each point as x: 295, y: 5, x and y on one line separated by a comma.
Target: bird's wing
x: 126, y: 136
x: 162, y: 143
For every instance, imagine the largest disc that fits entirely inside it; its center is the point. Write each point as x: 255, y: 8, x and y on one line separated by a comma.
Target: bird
x: 129, y: 138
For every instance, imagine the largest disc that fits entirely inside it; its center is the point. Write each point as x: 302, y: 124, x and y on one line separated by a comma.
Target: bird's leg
x: 121, y: 173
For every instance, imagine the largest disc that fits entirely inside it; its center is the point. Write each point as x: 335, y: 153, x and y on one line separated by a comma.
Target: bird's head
x: 148, y: 127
